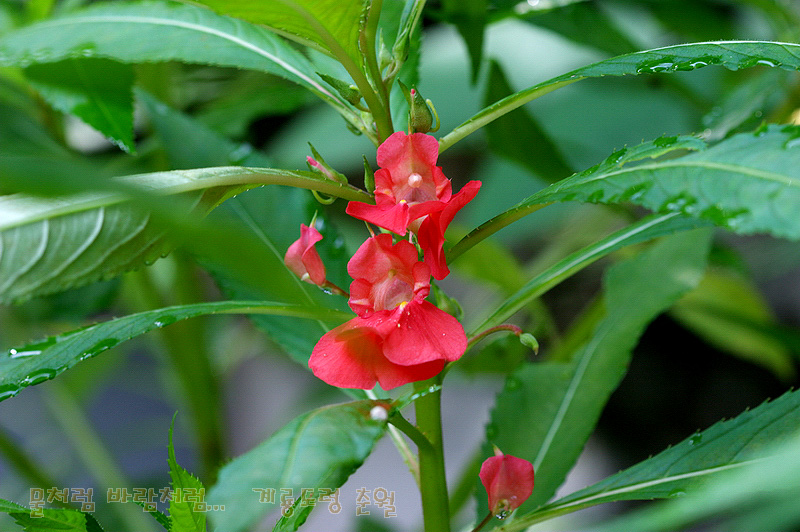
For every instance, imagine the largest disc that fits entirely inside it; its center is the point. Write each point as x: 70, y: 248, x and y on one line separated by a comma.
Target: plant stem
x: 483, y: 523
x: 435, y: 505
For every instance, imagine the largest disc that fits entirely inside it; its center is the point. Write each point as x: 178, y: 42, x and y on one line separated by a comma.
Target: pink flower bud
x: 303, y: 259
x: 508, y: 481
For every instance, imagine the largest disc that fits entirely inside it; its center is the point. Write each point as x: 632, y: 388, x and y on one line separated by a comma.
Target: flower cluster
x: 397, y: 336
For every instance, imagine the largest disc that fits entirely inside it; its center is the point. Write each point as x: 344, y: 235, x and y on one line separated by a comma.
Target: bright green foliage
x: 319, y: 449
x: 749, y: 183
x: 140, y: 32
x: 54, y: 520
x: 185, y: 513
x: 329, y: 25
x: 678, y: 470
x: 97, y: 91
x: 37, y: 362
x: 548, y: 410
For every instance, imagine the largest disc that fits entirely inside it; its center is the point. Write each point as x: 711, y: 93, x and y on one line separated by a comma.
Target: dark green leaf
x: 733, y: 55
x: 317, y: 450
x: 519, y: 137
x: 680, y: 469
x: 97, y: 91
x: 749, y: 183
x: 139, y: 32
x: 548, y: 410
x: 186, y: 514
x: 54, y: 520
x: 37, y: 362
x: 470, y: 17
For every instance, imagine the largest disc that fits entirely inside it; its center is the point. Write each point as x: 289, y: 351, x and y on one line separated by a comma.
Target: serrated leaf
x: 34, y: 363
x: 319, y: 449
x: 54, y: 520
x: 519, y: 137
x: 733, y: 55
x: 547, y: 411
x: 97, y: 91
x: 697, y: 459
x: 645, y: 229
x: 139, y: 32
x: 9, y: 507
x: 185, y: 515
x: 49, y: 245
x: 749, y: 183
x: 323, y: 24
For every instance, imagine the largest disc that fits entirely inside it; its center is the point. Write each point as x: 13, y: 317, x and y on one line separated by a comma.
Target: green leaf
x: 519, y: 137
x: 547, y: 411
x: 54, y: 520
x: 317, y: 450
x: 728, y: 311
x: 139, y: 32
x: 641, y: 231
x: 37, y: 362
x: 680, y: 469
x: 470, y: 18
x: 97, y: 91
x: 328, y: 25
x: 749, y: 183
x: 186, y: 514
x: 9, y: 507
x: 733, y: 55
x: 49, y: 245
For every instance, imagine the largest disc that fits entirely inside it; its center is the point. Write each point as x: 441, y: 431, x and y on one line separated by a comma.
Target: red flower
x: 398, y: 336
x: 410, y: 186
x: 303, y: 259
x: 508, y: 481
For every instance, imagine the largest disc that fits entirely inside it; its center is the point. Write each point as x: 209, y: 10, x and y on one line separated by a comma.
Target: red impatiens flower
x: 398, y: 337
x: 408, y: 187
x: 508, y: 481
x: 303, y: 259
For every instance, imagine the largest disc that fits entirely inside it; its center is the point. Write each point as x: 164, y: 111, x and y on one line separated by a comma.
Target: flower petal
x: 508, y: 481
x: 424, y: 333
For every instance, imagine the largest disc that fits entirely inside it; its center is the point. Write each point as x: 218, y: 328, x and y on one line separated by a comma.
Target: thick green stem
x: 435, y: 504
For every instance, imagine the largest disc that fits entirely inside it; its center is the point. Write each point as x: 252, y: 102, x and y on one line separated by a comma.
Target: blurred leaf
x: 695, y: 20
x: 584, y: 23
x: 50, y: 245
x: 641, y: 231
x: 328, y: 25
x: 139, y: 32
x: 97, y: 91
x: 272, y: 217
x: 748, y: 183
x: 547, y: 411
x: 728, y: 312
x: 9, y: 507
x: 518, y: 135
x: 470, y: 18
x: 733, y: 55
x: 54, y: 520
x: 690, y: 464
x: 41, y: 361
x: 185, y: 515
x: 317, y: 450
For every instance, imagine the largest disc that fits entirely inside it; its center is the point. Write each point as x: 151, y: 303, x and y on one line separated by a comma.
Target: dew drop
x: 39, y: 376
x: 163, y: 321
x: 99, y: 347
x: 502, y: 514
x: 7, y: 392
x: 676, y: 493
x: 696, y: 439
x: 13, y: 353
x: 513, y: 383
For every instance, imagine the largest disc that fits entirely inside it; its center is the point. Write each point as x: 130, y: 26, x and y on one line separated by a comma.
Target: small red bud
x: 508, y: 481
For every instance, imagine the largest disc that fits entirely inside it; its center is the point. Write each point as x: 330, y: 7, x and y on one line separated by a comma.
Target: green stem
x: 368, y: 42
x: 435, y: 505
x: 483, y: 523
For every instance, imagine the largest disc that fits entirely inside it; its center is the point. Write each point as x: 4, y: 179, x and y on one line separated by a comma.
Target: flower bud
x: 349, y: 92
x: 302, y: 257
x: 318, y: 164
x: 508, y: 481
x: 419, y: 116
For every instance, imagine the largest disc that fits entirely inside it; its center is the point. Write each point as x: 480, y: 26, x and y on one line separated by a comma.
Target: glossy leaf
x: 49, y: 245
x: 328, y: 25
x: 519, y: 137
x: 749, y: 183
x: 548, y: 410
x: 37, y: 362
x: 315, y: 451
x: 680, y: 469
x: 140, y: 32
x: 185, y: 513
x: 97, y: 91
x: 733, y: 55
